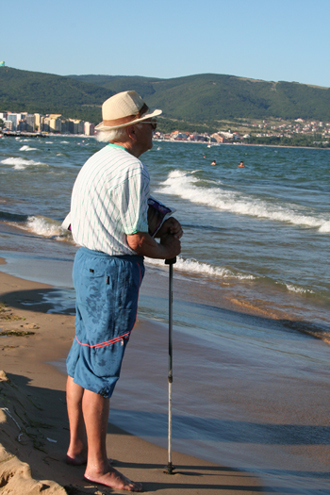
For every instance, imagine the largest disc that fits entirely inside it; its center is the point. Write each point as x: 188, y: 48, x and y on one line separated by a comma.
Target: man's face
x: 144, y: 133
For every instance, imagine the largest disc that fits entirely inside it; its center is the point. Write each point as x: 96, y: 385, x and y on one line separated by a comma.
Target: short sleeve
x: 134, y: 194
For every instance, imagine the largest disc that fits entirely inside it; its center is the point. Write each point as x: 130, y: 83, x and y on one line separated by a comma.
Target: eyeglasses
x: 153, y: 124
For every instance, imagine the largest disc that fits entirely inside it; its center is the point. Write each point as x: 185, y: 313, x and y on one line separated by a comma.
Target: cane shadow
x: 214, y: 430
x: 200, y: 429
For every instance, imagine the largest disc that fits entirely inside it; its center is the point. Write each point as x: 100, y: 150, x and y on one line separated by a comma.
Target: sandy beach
x: 33, y: 421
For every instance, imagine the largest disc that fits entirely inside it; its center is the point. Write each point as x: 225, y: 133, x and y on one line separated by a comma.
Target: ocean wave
x: 298, y: 290
x: 184, y: 185
x: 21, y: 163
x: 42, y: 226
x: 195, y: 267
x: 325, y: 228
x: 39, y: 225
x: 199, y: 173
x: 26, y: 147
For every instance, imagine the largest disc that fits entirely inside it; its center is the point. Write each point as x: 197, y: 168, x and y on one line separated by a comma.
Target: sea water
x: 251, y: 287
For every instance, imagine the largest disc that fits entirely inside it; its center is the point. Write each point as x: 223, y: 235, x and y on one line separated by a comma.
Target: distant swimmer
x: 241, y: 165
x: 214, y: 162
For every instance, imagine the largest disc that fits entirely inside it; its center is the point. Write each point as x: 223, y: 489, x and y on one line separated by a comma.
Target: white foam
x: 43, y: 226
x: 183, y: 184
x: 20, y: 163
x: 198, y: 268
x: 325, y: 228
x: 26, y: 147
x: 47, y: 227
x: 298, y: 290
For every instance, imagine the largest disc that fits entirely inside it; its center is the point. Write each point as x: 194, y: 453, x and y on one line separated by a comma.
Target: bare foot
x: 76, y: 454
x: 114, y: 479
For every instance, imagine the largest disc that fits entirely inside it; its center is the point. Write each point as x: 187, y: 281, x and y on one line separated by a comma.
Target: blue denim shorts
x: 107, y: 290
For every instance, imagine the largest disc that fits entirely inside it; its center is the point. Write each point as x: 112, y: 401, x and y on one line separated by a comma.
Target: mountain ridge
x: 197, y: 99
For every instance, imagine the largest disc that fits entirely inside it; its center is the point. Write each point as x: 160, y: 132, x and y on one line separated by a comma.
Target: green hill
x: 36, y: 92
x: 211, y: 97
x: 194, y: 100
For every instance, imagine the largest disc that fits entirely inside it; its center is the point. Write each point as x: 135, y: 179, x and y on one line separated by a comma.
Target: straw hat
x: 124, y: 109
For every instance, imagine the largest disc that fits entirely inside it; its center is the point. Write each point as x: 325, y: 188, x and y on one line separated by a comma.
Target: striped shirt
x: 109, y: 201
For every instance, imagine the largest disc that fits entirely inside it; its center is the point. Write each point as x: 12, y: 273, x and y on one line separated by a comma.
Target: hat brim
x: 149, y: 115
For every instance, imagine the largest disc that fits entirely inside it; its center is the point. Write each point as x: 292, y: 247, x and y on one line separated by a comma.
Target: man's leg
x: 96, y: 413
x: 77, y: 451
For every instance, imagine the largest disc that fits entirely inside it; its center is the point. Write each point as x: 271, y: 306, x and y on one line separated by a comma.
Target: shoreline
x: 33, y: 420
x: 218, y: 145
x: 84, y: 136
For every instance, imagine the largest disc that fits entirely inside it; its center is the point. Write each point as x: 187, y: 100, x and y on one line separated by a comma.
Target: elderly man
x: 109, y: 220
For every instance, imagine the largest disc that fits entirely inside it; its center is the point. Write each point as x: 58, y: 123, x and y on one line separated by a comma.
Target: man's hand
x: 171, y: 226
x: 171, y: 244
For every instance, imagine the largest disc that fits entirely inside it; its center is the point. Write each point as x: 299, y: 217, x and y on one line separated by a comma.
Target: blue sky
x: 272, y: 40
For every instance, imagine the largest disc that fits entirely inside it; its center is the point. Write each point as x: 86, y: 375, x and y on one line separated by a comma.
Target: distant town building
x: 76, y: 126
x: 218, y: 138
x: 38, y: 122
x: 89, y: 129
x: 30, y: 122
x: 12, y: 117
x: 226, y: 135
x: 9, y: 124
x: 55, y: 123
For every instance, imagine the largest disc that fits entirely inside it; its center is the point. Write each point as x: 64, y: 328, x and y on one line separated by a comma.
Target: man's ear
x: 131, y: 132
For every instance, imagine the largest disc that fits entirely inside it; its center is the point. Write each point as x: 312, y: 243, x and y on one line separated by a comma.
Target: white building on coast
x: 54, y: 123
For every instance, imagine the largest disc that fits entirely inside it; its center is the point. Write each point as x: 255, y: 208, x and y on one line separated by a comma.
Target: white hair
x: 118, y: 135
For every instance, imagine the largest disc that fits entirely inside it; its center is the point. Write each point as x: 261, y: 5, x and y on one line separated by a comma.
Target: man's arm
x: 143, y: 244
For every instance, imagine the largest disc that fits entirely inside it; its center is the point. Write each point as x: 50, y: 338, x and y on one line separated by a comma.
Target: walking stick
x: 170, y: 262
